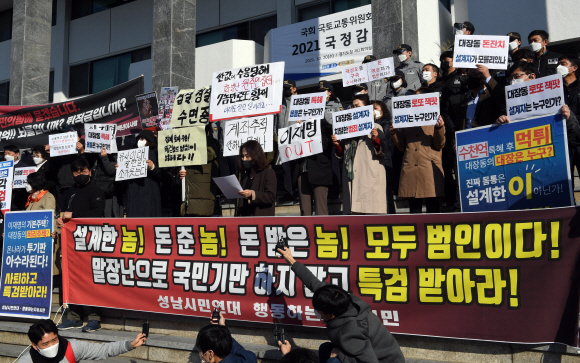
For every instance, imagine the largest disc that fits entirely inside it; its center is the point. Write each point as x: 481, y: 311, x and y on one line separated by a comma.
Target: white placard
x: 21, y: 176
x: 488, y: 50
x: 132, y: 163
x: 416, y: 110
x: 247, y: 91
x: 6, y: 175
x: 352, y: 123
x: 542, y: 96
x: 355, y: 75
x: 229, y: 185
x: 63, y: 144
x: 96, y: 140
x: 382, y: 68
x: 236, y: 132
x: 308, y: 106
x: 324, y: 45
x: 105, y: 127
x: 300, y: 140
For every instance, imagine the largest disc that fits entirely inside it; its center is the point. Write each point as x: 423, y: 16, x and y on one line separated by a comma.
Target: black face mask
x: 82, y: 179
x: 445, y: 66
x: 473, y: 83
x: 287, y: 92
x: 247, y: 164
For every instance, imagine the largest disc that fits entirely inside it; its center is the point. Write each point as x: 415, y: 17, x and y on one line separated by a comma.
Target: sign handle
x: 183, y: 186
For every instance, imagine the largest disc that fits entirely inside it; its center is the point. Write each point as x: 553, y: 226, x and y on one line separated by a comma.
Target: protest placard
x: 300, y: 140
x: 308, y: 106
x: 355, y: 75
x: 520, y: 165
x: 353, y: 123
x: 6, y: 177
x: 21, y: 176
x: 129, y: 127
x: 27, y: 264
x: 183, y: 146
x: 382, y: 68
x: 191, y: 107
x: 416, y: 110
x: 488, y: 50
x: 132, y: 163
x: 112, y: 128
x: 96, y: 140
x: 247, y: 91
x: 168, y: 95
x: 542, y: 96
x: 63, y: 144
x: 236, y: 132
x: 148, y: 109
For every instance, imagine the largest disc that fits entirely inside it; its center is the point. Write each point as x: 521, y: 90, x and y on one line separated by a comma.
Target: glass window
x: 140, y: 55
x: 51, y: 87
x: 259, y: 28
x: 447, y: 4
x: 54, y: 8
x: 4, y: 93
x: 82, y: 8
x: 79, y: 80
x: 109, y: 72
x: 342, y: 5
x: 314, y: 11
x: 5, y: 25
x: 238, y: 31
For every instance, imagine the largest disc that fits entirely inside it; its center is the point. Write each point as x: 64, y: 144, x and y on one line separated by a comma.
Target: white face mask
x: 517, y: 80
x: 378, y: 114
x: 9, y: 157
x: 513, y: 45
x: 563, y: 70
x: 141, y: 143
x: 398, y: 84
x: 427, y: 76
x: 49, y: 352
x: 458, y: 32
x: 38, y: 161
x: 402, y: 57
x: 28, y: 188
x: 536, y: 47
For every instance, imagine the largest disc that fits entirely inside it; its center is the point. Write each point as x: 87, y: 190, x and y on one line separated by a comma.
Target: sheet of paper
x: 229, y: 185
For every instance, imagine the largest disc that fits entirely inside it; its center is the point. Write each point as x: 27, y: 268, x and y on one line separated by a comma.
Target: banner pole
x: 183, y: 186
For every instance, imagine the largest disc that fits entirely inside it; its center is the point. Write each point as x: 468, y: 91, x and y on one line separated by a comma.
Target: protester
x: 290, y: 168
x: 353, y: 329
x: 397, y: 87
x: 384, y: 118
x: 49, y: 347
x: 545, y: 61
x: 332, y: 102
x: 43, y: 166
x: 377, y: 90
x: 103, y: 171
x: 258, y: 181
x: 19, y: 195
x: 411, y: 69
x: 39, y: 197
x: 524, y: 55
x: 430, y: 78
x: 363, y: 172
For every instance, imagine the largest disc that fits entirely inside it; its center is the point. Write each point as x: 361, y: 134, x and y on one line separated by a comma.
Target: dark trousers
x: 324, y: 351
x: 310, y: 193
x: 290, y: 175
x: 416, y: 205
x: 76, y: 313
x: 449, y: 162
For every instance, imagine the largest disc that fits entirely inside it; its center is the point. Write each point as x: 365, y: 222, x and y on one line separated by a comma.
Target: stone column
x: 394, y: 22
x: 173, y: 49
x: 30, y: 58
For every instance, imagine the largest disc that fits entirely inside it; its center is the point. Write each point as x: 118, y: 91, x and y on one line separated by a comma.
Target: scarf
x: 39, y: 196
x: 349, y: 155
x: 39, y: 358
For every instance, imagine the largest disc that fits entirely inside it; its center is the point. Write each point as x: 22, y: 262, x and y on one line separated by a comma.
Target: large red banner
x: 500, y: 276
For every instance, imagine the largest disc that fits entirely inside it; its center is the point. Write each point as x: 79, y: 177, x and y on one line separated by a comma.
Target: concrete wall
x: 562, y: 19
x: 5, y: 51
x: 144, y: 68
x: 428, y: 30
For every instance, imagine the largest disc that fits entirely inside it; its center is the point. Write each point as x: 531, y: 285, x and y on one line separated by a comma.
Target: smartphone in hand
x: 215, y: 316
x: 145, y: 328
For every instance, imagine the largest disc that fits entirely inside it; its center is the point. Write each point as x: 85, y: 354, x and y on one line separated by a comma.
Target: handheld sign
x: 21, y: 176
x: 352, y: 123
x: 148, y: 109
x: 132, y: 163
x: 382, y: 68
x: 236, y: 132
x: 308, y: 106
x: 355, y: 75
x: 6, y: 176
x: 112, y: 128
x: 416, y: 110
x: 63, y: 144
x: 168, y: 95
x: 191, y: 107
x: 96, y: 140
x: 488, y: 50
x: 182, y: 146
x: 300, y: 140
x: 534, y: 98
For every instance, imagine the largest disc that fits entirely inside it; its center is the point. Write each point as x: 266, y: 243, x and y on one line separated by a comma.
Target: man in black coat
x: 546, y: 61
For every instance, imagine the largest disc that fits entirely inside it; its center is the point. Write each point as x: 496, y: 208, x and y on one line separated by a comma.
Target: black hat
x: 147, y: 135
x: 369, y: 58
x: 290, y: 82
x: 469, y: 26
x: 514, y: 35
x: 325, y: 86
x: 359, y: 87
x: 402, y: 48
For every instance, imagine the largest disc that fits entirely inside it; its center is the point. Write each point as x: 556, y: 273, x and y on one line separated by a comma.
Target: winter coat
x: 263, y: 200
x: 319, y: 166
x: 331, y: 106
x: 89, y: 351
x: 143, y: 194
x: 200, y: 190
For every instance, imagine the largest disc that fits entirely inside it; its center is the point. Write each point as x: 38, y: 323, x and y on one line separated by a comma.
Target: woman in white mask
x: 42, y: 164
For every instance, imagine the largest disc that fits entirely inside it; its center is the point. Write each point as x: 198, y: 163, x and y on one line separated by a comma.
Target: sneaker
x: 92, y: 325
x: 70, y: 324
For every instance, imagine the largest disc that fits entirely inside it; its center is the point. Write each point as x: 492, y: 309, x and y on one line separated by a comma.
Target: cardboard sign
x: 382, y: 68
x: 416, y: 110
x: 96, y: 140
x: 488, y: 50
x: 353, y: 123
x: 191, y: 107
x: 168, y: 95
x: 308, y: 106
x: 132, y: 163
x: 247, y: 91
x: 182, y: 147
x: 237, y: 132
x: 63, y: 144
x: 300, y: 140
x: 542, y: 96
x: 355, y: 75
x: 112, y: 128
x: 21, y: 176
x: 6, y: 176
x: 148, y: 109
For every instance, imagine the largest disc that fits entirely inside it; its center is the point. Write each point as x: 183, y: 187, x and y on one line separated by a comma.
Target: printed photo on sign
x: 323, y: 46
x: 191, y: 107
x: 132, y: 163
x: 97, y: 140
x: 308, y: 106
x: 300, y: 140
x: 356, y: 74
x: 183, y: 146
x: 488, y: 50
x: 416, y: 110
x: 148, y: 109
x: 237, y: 132
x: 380, y: 69
x: 129, y: 127
x: 353, y: 123
x: 247, y: 91
x: 168, y: 95
x: 112, y: 128
x: 6, y: 177
x: 63, y: 144
x: 537, y: 97
x: 21, y: 176
x: 520, y: 165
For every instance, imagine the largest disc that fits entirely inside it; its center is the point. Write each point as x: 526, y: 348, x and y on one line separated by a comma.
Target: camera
x: 282, y: 242
x: 215, y: 316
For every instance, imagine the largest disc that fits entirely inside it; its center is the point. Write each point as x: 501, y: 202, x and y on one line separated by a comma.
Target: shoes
x: 286, y: 200
x: 70, y: 324
x: 92, y: 325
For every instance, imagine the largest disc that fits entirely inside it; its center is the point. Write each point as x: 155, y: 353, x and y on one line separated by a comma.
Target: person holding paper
x: 43, y: 166
x: 19, y: 195
x: 104, y: 171
x: 258, y: 180
x: 398, y: 87
x: 392, y: 162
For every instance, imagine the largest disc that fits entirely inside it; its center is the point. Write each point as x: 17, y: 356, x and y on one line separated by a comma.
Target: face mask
x: 473, y: 83
x: 514, y: 45
x: 8, y: 157
x: 141, y: 143
x: 49, y: 352
x: 38, y: 161
x: 82, y: 179
x: 516, y: 81
x: 536, y: 47
x: 28, y: 188
x: 397, y: 84
x: 427, y: 76
x: 287, y: 92
x: 378, y: 114
x: 445, y: 66
x: 458, y: 32
x: 247, y: 164
x: 402, y: 57
x: 563, y: 70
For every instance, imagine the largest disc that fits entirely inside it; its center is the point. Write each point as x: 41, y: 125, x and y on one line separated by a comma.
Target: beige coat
x: 422, y: 171
x: 367, y: 192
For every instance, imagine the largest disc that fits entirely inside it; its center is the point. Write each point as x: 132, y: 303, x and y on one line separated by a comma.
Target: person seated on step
x: 301, y: 355
x: 356, y: 334
x: 215, y: 344
x: 49, y: 347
